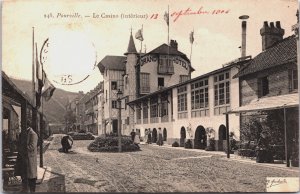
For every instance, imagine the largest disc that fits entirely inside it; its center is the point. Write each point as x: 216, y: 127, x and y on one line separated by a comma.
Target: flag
x: 48, y: 90
x: 139, y: 35
x: 192, y: 37
x: 40, y: 78
x: 166, y: 17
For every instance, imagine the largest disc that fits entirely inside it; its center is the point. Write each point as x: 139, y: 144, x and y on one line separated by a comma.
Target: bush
x: 175, y: 144
x: 246, y: 152
x: 82, y: 136
x: 110, y: 144
x: 188, y: 144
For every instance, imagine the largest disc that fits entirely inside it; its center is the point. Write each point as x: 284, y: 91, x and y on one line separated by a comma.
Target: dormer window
x: 165, y: 65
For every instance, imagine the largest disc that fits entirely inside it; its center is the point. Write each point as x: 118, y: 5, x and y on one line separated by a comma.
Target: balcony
x: 165, y: 118
x: 145, y: 121
x: 164, y: 69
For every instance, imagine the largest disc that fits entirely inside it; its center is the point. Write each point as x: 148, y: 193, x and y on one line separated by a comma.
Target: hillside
x: 54, y: 109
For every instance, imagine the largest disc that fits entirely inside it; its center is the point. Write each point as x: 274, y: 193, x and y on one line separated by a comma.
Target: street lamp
x: 119, y: 95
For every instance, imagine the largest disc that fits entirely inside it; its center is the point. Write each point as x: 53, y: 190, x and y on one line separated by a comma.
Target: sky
x: 97, y: 28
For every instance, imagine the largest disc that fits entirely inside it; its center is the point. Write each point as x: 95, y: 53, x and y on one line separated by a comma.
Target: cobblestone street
x: 154, y: 169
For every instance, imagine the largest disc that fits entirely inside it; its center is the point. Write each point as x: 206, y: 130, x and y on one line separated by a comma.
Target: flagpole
x: 34, y: 108
x: 33, y: 74
x: 191, y: 49
x: 41, y: 135
x: 141, y: 41
x: 168, y: 65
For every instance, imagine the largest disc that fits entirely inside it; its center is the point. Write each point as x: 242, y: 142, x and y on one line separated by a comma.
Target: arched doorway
x: 222, y: 137
x: 200, y: 137
x: 154, y: 135
x: 222, y: 132
x: 182, y: 136
x: 165, y: 134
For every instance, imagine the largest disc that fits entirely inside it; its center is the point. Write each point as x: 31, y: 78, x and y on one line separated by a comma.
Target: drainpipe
x: 227, y: 135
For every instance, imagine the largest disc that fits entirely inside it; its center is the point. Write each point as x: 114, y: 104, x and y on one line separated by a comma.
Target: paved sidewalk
x: 232, y: 157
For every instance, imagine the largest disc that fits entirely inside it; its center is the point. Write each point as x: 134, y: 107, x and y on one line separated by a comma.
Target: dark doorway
x: 222, y: 132
x: 165, y: 134
x: 182, y: 136
x: 200, y: 137
x: 154, y: 135
x: 115, y: 126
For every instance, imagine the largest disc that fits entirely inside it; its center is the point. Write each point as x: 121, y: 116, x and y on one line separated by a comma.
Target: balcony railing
x: 163, y: 69
x: 138, y: 121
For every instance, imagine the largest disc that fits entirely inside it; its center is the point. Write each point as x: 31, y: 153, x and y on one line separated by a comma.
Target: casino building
x: 136, y: 75
x: 158, y: 92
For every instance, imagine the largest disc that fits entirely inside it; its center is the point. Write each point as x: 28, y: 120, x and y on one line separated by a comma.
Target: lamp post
x: 119, y: 95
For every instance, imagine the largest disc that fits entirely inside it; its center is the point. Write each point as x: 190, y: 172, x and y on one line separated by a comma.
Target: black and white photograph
x: 132, y: 96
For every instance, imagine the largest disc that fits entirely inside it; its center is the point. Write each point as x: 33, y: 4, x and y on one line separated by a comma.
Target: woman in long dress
x: 149, y: 140
x: 137, y: 138
x: 160, y: 140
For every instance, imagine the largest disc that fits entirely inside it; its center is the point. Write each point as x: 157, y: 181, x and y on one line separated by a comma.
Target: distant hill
x: 54, y: 109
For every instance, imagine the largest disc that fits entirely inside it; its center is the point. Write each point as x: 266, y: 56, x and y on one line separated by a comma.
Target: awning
x: 269, y: 103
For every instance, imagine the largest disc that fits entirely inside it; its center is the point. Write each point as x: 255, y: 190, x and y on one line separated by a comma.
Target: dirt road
x: 154, y: 169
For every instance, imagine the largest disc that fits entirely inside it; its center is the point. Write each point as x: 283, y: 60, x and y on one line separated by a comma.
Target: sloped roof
x: 112, y: 63
x: 165, y: 49
x: 269, y: 103
x: 131, y: 46
x: 281, y: 53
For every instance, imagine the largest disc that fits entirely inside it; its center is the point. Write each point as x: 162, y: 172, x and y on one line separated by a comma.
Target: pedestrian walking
x: 160, y: 140
x: 26, y: 165
x: 146, y: 135
x: 67, y: 143
x: 137, y: 138
x: 149, y: 140
x: 132, y: 135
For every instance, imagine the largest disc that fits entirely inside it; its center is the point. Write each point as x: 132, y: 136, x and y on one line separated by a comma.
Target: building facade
x: 193, y: 109
x: 269, y: 87
x: 136, y: 75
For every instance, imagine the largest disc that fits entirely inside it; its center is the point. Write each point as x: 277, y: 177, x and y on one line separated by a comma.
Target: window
x: 160, y: 82
x: 153, y: 108
x: 145, y: 112
x: 293, y: 79
x: 138, y: 114
x: 114, y: 104
x: 165, y: 65
x: 199, y: 94
x: 126, y: 101
x: 184, y: 78
x: 114, y: 85
x: 221, y: 93
x: 182, y: 98
x: 263, y: 86
x: 105, y: 95
x: 145, y: 82
x: 126, y: 82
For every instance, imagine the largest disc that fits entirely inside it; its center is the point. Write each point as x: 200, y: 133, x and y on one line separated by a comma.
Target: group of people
x: 135, y: 136
x: 26, y: 165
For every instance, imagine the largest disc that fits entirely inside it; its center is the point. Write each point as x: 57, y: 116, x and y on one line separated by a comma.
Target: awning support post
x: 227, y: 136
x: 285, y: 140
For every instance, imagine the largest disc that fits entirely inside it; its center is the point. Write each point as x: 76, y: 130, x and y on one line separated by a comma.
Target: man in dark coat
x: 66, y: 144
x: 26, y: 166
x: 132, y: 134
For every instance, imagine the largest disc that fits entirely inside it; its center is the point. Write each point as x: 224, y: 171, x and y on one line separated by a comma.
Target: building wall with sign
x: 157, y: 77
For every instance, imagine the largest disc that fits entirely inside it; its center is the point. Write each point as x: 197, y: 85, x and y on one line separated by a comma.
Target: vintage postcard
x: 150, y: 96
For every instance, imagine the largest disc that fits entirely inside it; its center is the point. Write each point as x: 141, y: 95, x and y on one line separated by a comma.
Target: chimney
x: 271, y: 34
x: 244, y: 27
x: 174, y: 44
